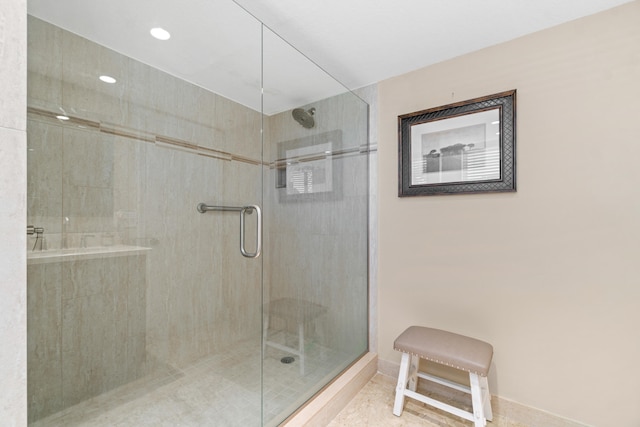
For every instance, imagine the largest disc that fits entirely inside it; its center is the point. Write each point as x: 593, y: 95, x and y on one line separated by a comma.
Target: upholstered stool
x: 293, y: 310
x: 446, y: 348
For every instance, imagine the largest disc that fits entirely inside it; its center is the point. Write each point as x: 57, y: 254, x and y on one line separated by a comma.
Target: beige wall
x: 550, y: 274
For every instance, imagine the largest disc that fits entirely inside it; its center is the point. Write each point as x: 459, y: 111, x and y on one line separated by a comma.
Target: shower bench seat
x: 294, y: 310
x: 446, y: 348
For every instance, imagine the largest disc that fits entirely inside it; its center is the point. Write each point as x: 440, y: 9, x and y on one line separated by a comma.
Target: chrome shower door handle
x: 243, y: 212
x: 203, y: 208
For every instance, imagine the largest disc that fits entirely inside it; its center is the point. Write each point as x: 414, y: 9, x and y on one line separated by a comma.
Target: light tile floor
x: 224, y: 390
x: 373, y: 406
x: 221, y: 390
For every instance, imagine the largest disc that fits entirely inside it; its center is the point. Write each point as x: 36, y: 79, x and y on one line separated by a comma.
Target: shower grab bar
x: 203, y: 207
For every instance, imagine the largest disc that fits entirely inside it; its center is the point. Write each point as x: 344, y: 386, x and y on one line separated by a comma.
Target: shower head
x: 305, y: 118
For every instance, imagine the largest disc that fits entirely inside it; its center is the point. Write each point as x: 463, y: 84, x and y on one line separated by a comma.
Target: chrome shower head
x: 305, y: 118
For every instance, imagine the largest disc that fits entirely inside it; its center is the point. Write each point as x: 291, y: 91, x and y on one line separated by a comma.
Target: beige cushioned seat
x: 460, y: 352
x: 450, y: 349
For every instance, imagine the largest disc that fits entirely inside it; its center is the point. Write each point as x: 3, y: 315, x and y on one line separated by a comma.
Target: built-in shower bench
x: 449, y: 349
x: 81, y: 254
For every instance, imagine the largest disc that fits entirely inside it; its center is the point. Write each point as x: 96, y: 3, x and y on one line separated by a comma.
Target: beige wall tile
x: 84, y: 94
x: 13, y: 84
x: 13, y: 162
x: 103, y: 314
x: 44, y: 66
x: 13, y: 305
x: 44, y: 180
x: 44, y: 351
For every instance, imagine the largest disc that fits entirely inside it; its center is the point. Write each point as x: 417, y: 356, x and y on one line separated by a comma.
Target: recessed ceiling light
x: 496, y: 122
x: 61, y: 117
x: 107, y: 79
x: 160, y: 33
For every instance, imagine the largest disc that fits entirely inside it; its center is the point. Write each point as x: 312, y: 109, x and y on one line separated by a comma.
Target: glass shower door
x: 141, y: 309
x: 315, y: 230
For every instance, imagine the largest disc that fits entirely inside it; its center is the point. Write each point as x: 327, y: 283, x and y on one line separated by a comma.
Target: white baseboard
x: 502, y: 407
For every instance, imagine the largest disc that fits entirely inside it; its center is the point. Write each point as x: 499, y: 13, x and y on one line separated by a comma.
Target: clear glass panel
x: 315, y: 228
x: 141, y: 310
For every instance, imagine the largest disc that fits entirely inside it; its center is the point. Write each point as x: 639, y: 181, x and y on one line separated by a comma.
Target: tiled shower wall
x: 129, y: 169
x: 86, y: 325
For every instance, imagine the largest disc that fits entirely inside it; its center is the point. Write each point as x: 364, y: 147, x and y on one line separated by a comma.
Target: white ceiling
x: 365, y: 41
x: 216, y: 45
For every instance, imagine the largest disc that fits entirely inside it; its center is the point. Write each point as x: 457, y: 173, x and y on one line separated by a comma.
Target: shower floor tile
x: 221, y: 390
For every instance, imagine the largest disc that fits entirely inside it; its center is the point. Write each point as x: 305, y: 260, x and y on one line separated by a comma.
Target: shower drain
x: 287, y: 359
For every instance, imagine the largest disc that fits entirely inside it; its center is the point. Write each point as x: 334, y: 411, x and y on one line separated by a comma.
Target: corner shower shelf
x: 77, y: 254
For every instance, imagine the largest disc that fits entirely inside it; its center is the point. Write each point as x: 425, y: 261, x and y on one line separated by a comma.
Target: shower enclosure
x: 198, y: 252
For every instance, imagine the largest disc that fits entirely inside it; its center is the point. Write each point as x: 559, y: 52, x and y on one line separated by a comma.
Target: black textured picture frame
x: 461, y: 148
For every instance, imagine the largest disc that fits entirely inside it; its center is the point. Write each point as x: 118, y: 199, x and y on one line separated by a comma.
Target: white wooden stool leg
x: 476, y: 400
x: 486, y: 398
x: 402, y: 384
x: 413, y: 373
